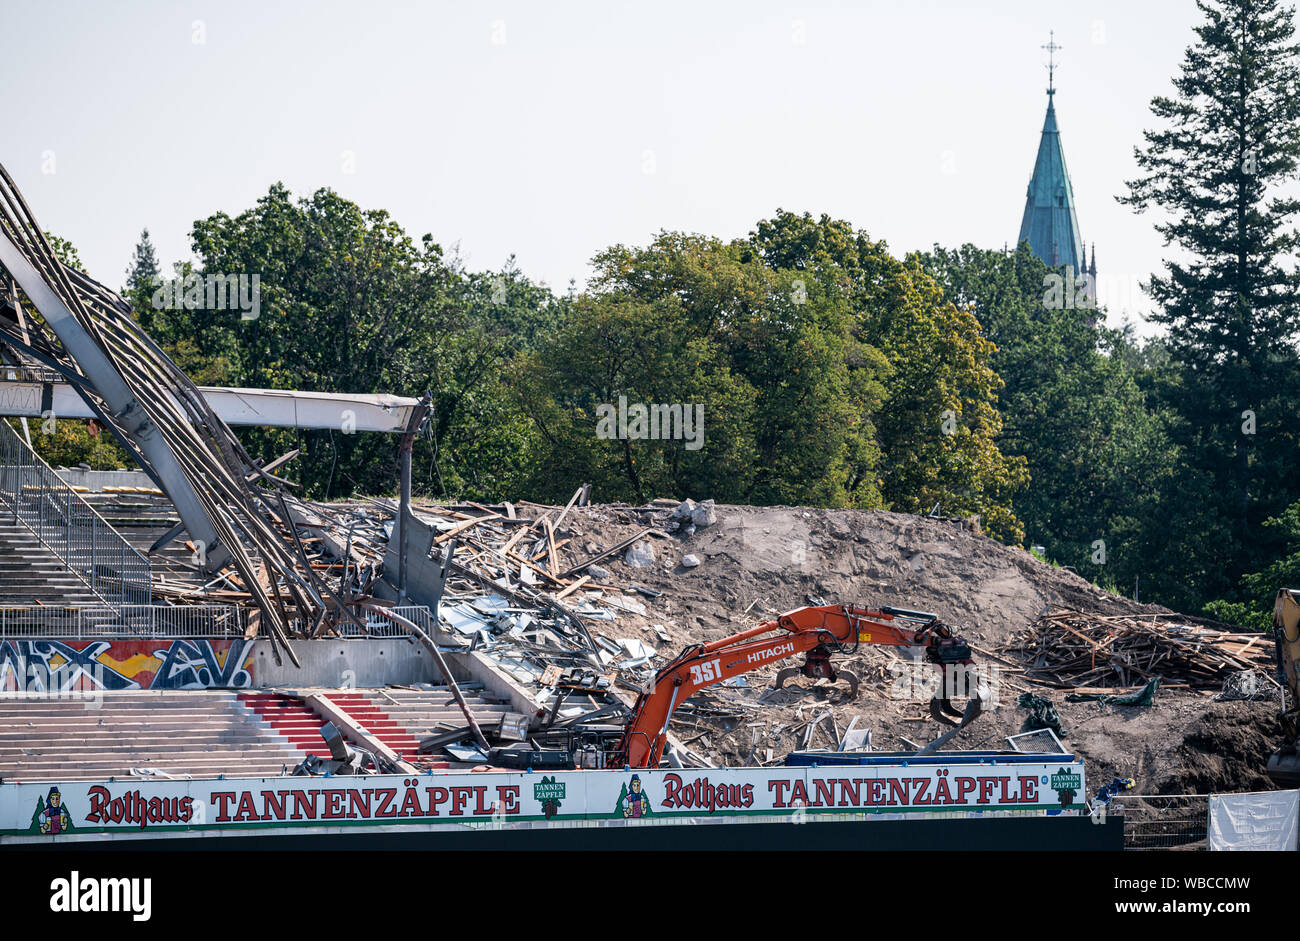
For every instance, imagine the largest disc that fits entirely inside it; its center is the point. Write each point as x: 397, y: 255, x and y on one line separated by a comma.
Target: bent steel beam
x: 126, y: 411
x: 22, y: 397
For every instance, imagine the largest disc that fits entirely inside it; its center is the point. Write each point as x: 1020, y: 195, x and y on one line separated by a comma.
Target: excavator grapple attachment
x: 974, y: 708
x: 791, y: 673
x: 954, y: 679
x: 942, y: 710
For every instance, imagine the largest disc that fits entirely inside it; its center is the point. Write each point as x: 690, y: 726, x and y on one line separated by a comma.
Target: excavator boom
x: 814, y: 631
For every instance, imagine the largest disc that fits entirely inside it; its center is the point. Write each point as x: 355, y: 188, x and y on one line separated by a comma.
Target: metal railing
x: 379, y: 626
x: 69, y: 526
x: 179, y: 621
x: 95, y: 621
x: 1164, y: 821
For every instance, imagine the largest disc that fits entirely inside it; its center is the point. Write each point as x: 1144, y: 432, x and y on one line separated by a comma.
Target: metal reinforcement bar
x: 418, y: 633
x: 69, y: 526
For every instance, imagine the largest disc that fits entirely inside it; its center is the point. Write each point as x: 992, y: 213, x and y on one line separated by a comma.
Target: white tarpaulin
x: 1263, y: 820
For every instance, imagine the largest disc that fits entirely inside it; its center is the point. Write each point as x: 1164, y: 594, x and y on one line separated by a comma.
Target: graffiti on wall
x: 65, y: 666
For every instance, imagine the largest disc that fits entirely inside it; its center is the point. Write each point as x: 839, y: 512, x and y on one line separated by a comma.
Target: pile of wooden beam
x: 1069, y: 649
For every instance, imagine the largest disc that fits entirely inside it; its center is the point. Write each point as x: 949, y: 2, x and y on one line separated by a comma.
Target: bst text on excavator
x: 817, y: 632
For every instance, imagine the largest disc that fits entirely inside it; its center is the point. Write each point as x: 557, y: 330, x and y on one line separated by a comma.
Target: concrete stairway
x: 141, y: 519
x: 29, y: 572
x: 401, y: 717
x: 201, y: 734
x: 297, y: 725
x: 377, y: 722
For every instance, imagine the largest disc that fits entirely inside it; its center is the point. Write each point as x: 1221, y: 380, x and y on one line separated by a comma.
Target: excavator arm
x: 816, y: 632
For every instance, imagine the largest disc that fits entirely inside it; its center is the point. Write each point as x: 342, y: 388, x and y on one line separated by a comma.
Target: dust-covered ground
x: 755, y: 562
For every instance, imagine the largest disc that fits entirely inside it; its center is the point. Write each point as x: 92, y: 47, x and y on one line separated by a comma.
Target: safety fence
x: 69, y: 527
x: 1164, y: 821
x: 379, y: 626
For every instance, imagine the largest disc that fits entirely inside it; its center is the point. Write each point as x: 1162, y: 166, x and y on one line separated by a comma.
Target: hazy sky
x: 551, y: 130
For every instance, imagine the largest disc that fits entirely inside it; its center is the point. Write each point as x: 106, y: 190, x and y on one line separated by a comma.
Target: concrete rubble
x: 525, y: 593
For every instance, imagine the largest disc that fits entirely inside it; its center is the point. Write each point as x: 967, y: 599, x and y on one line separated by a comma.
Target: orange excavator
x: 818, y: 632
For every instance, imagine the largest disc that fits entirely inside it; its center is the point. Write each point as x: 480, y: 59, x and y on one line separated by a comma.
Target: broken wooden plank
x: 461, y: 527
x: 573, y: 587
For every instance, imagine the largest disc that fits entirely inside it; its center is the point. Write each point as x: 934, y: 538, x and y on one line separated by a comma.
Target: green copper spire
x: 1049, y: 222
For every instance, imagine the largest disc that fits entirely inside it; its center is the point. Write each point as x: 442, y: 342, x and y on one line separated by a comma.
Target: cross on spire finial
x: 1052, y: 48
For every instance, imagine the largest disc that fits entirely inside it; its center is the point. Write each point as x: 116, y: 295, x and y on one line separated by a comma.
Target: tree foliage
x: 937, y: 422
x: 350, y: 303
x: 1074, y: 407
x: 1217, y: 169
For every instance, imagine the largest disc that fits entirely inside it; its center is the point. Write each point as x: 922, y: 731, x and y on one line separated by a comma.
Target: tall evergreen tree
x: 1216, y: 170
x: 141, y: 275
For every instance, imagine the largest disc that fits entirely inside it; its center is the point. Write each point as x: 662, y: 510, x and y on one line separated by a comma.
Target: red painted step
x: 293, y: 721
x: 376, y: 721
x: 300, y: 726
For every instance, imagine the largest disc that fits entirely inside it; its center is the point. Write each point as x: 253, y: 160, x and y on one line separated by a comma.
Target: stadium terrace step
x: 177, y: 732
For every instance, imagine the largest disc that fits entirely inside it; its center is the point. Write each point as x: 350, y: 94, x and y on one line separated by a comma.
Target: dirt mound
x: 757, y: 561
x: 1226, y: 750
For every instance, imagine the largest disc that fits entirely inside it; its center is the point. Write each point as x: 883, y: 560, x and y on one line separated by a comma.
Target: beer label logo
x: 549, y: 793
x: 51, y: 817
x: 1066, y: 784
x: 633, y: 803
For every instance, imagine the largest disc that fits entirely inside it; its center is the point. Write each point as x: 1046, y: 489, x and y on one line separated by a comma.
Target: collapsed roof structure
x: 235, y: 511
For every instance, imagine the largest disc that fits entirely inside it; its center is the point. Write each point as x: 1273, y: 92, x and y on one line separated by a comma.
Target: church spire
x: 1049, y: 222
x: 1051, y: 48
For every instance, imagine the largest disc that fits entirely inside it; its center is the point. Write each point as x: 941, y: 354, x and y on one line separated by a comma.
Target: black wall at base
x: 998, y: 833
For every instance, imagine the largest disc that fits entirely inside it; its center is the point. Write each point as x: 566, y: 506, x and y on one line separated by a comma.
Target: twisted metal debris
x: 202, y: 462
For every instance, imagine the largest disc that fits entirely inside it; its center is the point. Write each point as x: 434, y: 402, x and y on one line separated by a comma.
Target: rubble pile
x: 528, y: 592
x: 755, y: 562
x: 1066, y: 648
x: 342, y: 542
